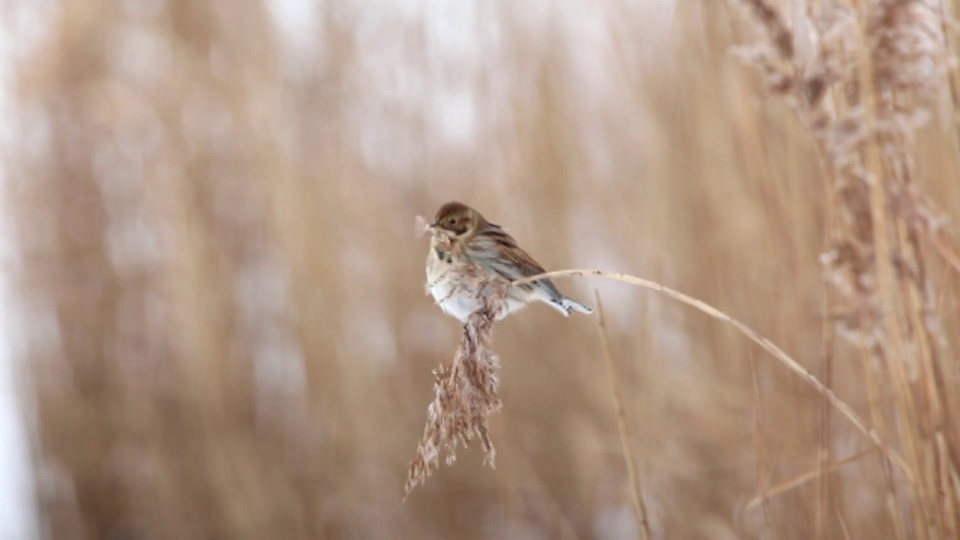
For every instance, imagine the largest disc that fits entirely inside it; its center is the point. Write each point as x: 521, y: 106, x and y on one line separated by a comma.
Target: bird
x: 465, y: 249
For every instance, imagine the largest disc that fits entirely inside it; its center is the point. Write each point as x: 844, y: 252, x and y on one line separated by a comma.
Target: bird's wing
x: 496, y: 250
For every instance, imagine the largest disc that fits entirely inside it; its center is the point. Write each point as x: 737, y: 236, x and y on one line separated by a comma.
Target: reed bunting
x: 464, y: 246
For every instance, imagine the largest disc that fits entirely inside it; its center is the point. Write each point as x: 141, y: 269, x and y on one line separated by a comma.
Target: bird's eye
x: 452, y: 221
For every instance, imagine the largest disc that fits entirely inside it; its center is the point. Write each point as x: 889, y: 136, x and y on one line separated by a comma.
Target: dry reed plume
x: 465, y: 390
x: 876, y: 70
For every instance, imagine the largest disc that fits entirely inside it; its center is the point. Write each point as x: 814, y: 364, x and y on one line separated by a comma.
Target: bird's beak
x: 434, y: 225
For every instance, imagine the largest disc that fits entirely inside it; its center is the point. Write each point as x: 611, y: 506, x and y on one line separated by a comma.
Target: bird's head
x: 457, y: 219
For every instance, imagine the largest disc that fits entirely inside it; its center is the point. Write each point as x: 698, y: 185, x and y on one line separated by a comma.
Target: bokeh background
x: 215, y: 309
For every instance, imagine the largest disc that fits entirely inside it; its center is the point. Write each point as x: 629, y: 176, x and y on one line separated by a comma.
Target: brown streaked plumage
x: 462, y: 235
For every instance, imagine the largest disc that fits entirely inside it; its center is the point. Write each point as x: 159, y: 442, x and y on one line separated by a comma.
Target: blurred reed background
x: 219, y: 309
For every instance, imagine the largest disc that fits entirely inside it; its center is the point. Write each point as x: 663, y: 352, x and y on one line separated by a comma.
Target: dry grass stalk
x: 894, y: 74
x: 636, y: 498
x: 767, y: 345
x: 465, y: 390
x: 763, y: 478
x: 881, y: 62
x: 802, y: 479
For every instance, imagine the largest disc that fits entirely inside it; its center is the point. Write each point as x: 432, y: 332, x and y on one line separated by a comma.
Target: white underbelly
x: 459, y: 304
x: 460, y: 301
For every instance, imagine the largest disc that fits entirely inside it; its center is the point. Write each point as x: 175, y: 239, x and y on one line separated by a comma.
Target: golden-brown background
x: 220, y: 287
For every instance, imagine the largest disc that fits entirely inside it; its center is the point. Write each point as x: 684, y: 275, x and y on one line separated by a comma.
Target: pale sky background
x: 20, y: 25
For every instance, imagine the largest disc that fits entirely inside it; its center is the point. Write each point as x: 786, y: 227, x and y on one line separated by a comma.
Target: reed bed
x: 220, y: 309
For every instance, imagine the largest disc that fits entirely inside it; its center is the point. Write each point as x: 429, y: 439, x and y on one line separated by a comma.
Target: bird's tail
x: 567, y: 306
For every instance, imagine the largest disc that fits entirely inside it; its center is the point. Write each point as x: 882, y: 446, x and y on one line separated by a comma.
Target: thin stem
x: 638, y: 506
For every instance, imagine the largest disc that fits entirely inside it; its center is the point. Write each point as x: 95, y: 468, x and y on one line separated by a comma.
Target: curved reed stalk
x: 767, y: 345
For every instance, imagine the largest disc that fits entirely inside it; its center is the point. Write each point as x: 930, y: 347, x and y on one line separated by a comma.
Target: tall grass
x: 222, y: 308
